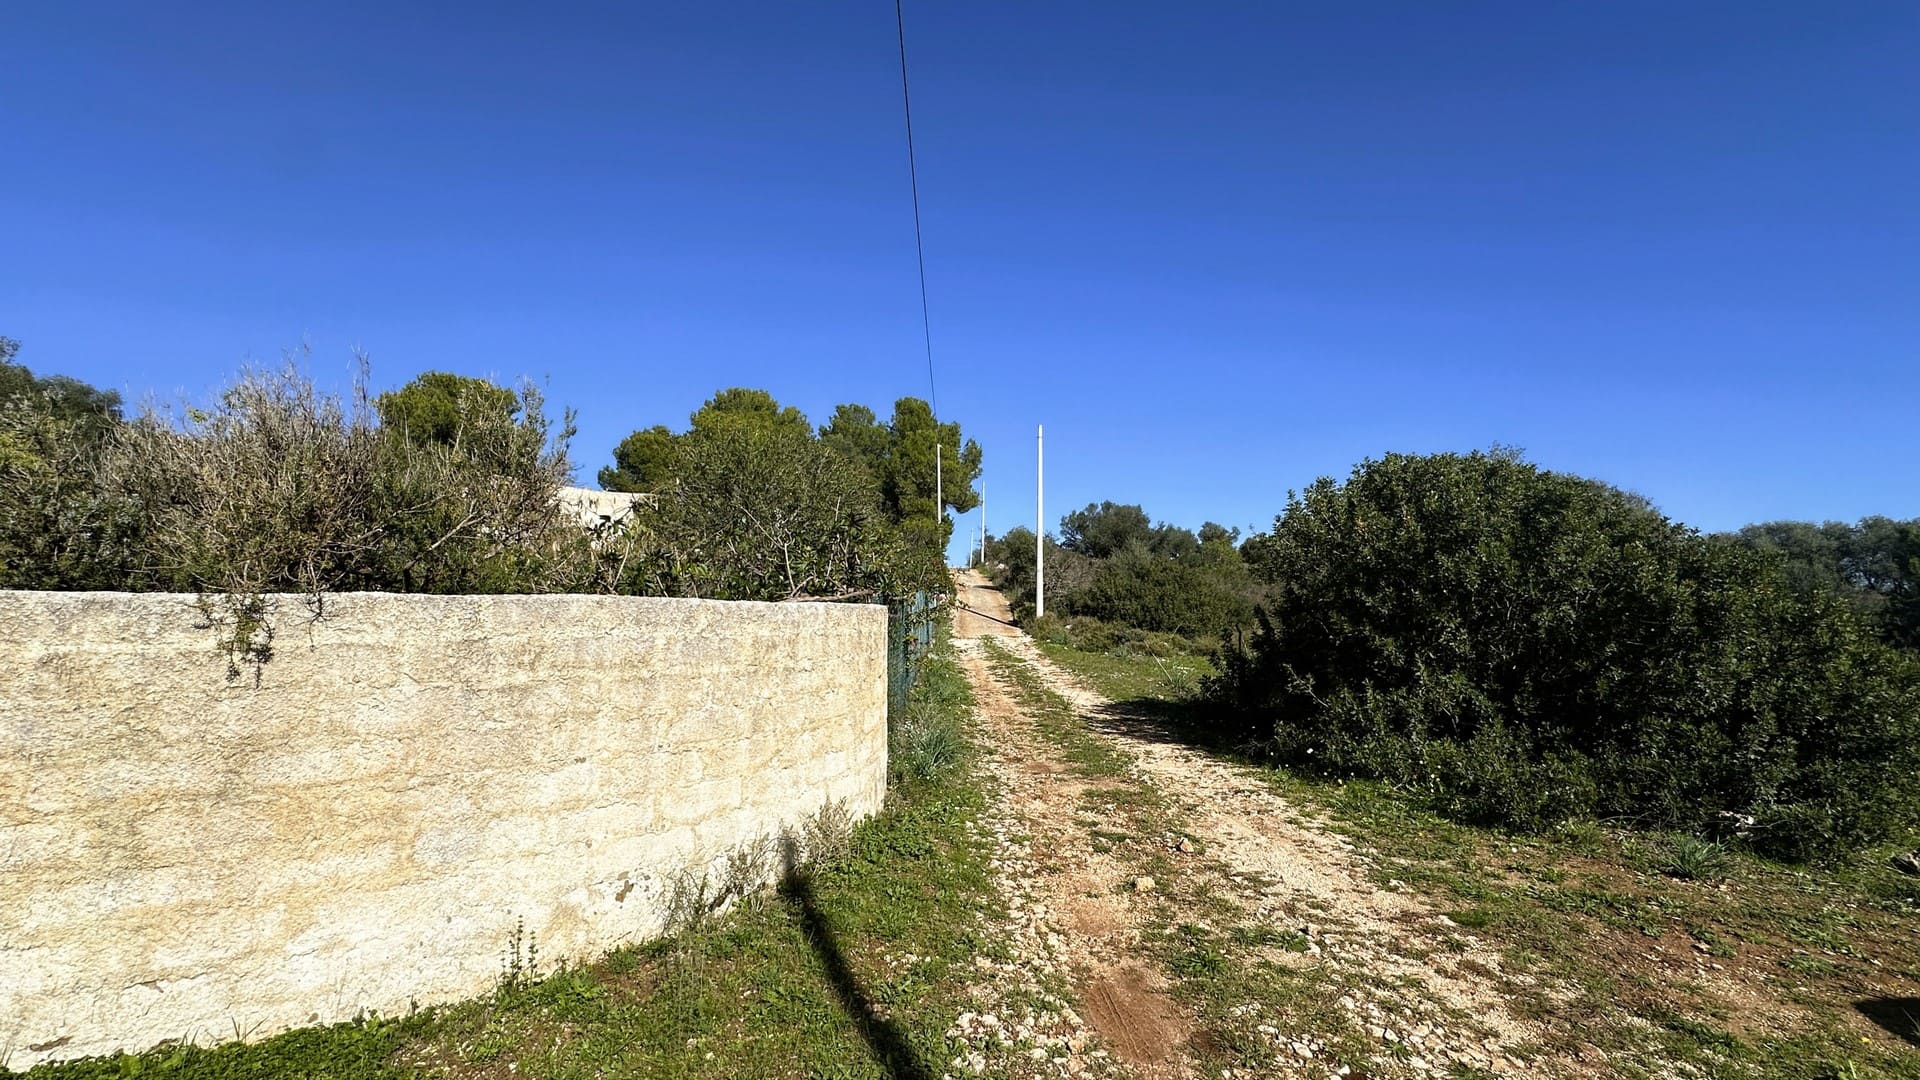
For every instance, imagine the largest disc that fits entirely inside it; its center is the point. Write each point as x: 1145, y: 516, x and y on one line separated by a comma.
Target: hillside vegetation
x: 1517, y: 646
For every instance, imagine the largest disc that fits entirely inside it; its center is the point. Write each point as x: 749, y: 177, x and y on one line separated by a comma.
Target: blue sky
x: 1217, y: 249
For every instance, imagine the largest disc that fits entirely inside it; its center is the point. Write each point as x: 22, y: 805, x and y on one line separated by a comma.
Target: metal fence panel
x: 909, y: 636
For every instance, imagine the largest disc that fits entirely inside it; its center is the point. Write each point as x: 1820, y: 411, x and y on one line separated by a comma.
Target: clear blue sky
x: 1217, y: 249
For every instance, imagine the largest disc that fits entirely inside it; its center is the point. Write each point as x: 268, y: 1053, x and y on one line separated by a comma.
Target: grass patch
x: 1092, y: 757
x: 853, y: 970
x: 1690, y: 858
x: 1123, y: 674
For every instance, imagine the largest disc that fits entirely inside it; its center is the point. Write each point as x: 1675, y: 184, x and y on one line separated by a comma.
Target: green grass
x: 1055, y: 719
x: 1123, y: 674
x: 1612, y: 937
x: 855, y: 970
x: 1690, y: 858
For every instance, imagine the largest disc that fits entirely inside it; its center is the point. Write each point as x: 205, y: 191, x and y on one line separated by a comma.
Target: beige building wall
x: 592, y: 507
x: 359, y: 822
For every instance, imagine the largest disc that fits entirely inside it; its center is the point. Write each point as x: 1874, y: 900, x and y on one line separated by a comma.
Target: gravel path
x: 1423, y: 990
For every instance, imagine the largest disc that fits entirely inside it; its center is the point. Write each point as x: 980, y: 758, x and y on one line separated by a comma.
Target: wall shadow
x: 1900, y: 1016
x: 888, y: 1044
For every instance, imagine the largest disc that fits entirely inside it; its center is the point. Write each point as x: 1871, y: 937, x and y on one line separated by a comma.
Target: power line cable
x: 913, y: 176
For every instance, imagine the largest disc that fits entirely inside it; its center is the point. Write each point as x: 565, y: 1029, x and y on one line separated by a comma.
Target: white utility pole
x: 939, y: 495
x: 983, y: 525
x: 1039, y: 521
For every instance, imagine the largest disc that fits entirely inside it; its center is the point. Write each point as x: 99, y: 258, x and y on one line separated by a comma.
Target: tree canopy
x: 1872, y: 565
x: 56, y: 530
x: 766, y: 511
x: 438, y: 407
x: 1105, y: 529
x: 897, y: 457
x: 61, y: 397
x: 643, y: 461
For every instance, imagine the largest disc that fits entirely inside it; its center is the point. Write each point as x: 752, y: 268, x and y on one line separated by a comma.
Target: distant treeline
x: 1113, y: 564
x: 1874, y: 566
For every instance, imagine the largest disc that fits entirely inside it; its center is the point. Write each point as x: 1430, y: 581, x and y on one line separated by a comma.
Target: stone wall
x: 190, y: 848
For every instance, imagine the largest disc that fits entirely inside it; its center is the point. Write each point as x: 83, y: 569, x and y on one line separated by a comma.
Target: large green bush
x: 1524, y: 646
x: 56, y: 531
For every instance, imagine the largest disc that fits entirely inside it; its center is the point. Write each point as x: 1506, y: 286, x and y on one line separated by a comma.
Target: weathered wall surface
x: 183, y: 854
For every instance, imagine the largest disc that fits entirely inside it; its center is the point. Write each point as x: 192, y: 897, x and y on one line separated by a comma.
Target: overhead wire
x: 913, y: 178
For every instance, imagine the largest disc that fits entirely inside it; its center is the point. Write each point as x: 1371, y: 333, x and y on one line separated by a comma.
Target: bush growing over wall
x: 450, y: 484
x: 278, y: 487
x: 1524, y: 646
x: 769, y: 512
x: 274, y: 486
x: 56, y: 531
x: 907, y: 460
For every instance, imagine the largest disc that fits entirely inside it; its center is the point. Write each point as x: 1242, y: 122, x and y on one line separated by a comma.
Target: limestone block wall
x: 360, y: 822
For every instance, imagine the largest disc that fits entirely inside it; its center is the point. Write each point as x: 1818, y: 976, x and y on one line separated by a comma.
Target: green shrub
x: 926, y: 740
x: 769, y: 512
x: 275, y: 486
x: 1692, y: 859
x: 927, y: 745
x: 1523, y: 646
x: 1151, y: 593
x: 1088, y: 634
x: 57, y: 529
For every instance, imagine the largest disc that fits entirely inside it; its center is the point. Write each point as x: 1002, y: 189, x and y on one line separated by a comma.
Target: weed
x: 1690, y: 858
x: 520, y: 966
x: 826, y: 835
x: 245, y: 625
x: 1199, y: 960
x: 1474, y: 918
x: 1806, y: 964
x: 927, y: 744
x: 1582, y: 835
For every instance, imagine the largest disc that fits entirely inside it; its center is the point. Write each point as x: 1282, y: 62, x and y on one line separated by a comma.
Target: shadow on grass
x: 1179, y: 723
x: 888, y: 1044
x: 1901, y: 1016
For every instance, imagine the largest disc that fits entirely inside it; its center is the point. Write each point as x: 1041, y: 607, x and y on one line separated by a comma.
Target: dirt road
x: 1202, y: 924
x: 981, y: 610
